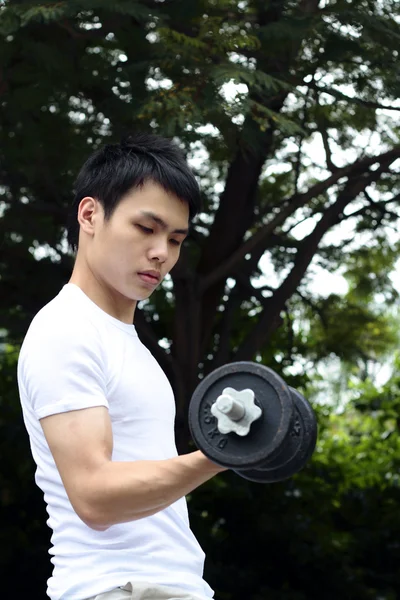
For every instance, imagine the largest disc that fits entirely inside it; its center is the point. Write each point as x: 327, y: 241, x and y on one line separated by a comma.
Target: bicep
x: 81, y: 443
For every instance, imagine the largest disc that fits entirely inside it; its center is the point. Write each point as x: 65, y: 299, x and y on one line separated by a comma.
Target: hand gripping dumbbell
x: 244, y: 417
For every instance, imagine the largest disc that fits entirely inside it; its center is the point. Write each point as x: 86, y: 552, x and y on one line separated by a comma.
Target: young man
x: 98, y: 408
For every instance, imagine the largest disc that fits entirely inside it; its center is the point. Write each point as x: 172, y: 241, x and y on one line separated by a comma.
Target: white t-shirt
x: 76, y: 356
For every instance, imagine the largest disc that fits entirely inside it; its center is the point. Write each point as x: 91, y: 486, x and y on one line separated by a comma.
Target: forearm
x: 118, y: 492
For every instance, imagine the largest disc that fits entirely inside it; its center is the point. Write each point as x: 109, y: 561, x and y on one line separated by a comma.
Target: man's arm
x: 103, y: 492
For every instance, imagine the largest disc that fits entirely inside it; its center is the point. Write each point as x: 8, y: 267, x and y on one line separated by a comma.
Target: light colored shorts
x: 146, y: 591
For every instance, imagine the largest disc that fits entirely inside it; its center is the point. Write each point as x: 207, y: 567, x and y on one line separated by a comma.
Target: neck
x: 106, y: 297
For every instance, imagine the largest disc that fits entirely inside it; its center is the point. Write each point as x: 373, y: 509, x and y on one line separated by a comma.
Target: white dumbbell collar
x: 235, y: 411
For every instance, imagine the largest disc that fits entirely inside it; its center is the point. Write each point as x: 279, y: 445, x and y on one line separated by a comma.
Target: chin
x: 144, y: 295
x: 138, y: 295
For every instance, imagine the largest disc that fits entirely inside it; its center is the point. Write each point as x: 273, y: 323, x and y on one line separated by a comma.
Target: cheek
x: 113, y: 252
x: 173, y: 256
x: 117, y: 241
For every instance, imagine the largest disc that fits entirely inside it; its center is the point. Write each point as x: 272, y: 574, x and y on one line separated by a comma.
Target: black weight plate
x: 297, y: 449
x: 266, y: 433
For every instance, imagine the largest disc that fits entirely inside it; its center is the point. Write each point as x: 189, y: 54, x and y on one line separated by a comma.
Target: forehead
x: 151, y: 197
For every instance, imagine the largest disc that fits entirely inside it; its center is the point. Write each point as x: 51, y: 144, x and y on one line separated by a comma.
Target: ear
x: 89, y: 213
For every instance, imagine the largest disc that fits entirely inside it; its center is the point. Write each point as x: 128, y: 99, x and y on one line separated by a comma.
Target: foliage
x: 287, y: 111
x: 24, y: 536
x: 330, y: 531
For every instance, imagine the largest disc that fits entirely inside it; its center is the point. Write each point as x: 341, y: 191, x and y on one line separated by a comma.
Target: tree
x: 24, y: 536
x: 330, y: 531
x: 76, y: 76
x: 308, y: 74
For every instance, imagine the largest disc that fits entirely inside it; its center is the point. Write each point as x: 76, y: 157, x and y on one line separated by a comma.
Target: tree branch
x: 314, y: 307
x: 328, y: 152
x: 290, y: 206
x: 378, y: 205
x: 267, y: 323
x: 367, y: 103
x: 256, y: 292
x: 301, y: 140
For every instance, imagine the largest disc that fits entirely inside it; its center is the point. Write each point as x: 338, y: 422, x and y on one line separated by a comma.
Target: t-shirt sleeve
x: 63, y: 369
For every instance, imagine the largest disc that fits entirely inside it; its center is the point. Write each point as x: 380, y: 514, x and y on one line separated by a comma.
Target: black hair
x: 115, y: 169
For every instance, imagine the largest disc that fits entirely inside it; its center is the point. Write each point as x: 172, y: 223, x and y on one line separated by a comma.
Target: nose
x: 159, y: 250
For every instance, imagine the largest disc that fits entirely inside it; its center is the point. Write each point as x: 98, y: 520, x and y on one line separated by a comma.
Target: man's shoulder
x: 63, y: 317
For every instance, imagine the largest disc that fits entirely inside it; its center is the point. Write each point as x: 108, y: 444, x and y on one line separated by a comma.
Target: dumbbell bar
x: 244, y: 417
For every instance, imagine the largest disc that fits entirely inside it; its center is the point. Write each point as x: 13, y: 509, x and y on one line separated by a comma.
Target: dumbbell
x: 244, y: 416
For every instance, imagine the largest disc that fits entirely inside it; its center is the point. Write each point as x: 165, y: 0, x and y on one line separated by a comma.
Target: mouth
x: 150, y: 277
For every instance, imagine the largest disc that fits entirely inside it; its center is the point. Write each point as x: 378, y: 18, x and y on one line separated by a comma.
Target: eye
x: 175, y: 242
x: 145, y: 229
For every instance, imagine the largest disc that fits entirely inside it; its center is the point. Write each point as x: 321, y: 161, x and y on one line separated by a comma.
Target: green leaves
x: 369, y: 268
x: 16, y: 15
x: 278, y: 106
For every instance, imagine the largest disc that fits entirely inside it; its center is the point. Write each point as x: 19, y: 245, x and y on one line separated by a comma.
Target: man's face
x: 133, y: 251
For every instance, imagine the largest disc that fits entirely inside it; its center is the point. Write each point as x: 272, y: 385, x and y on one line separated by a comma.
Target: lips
x: 151, y: 277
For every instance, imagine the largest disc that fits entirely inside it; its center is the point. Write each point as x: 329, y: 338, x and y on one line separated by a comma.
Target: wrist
x: 208, y: 465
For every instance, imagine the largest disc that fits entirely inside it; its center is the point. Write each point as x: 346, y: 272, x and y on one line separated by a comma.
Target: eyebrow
x: 161, y: 222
